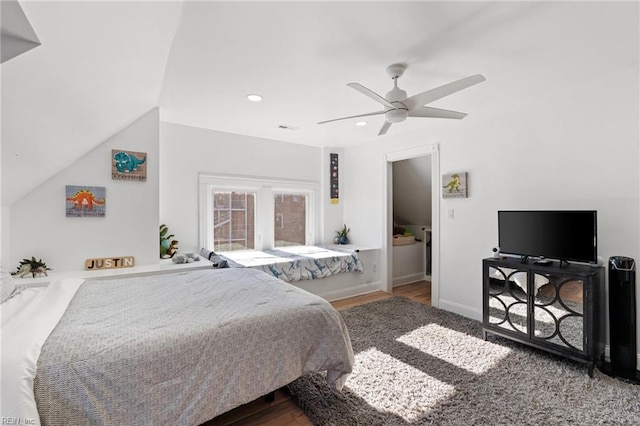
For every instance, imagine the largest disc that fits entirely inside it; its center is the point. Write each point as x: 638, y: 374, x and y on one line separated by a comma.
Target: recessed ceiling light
x: 361, y: 123
x: 254, y: 98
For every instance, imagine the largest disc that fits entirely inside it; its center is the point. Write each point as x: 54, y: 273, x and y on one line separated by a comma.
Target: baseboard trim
x: 407, y: 279
x: 358, y: 290
x: 457, y: 308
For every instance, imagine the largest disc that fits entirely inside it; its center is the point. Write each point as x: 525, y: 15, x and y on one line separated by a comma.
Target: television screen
x: 561, y: 234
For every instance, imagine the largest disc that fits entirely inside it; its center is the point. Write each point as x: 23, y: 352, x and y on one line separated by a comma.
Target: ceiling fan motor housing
x: 395, y: 96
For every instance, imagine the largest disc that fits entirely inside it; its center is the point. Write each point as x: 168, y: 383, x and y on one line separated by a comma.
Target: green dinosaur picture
x: 128, y: 165
x: 454, y: 185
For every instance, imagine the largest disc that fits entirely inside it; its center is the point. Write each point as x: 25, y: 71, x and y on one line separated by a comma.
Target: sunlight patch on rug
x: 396, y: 387
x: 467, y: 352
x: 405, y: 366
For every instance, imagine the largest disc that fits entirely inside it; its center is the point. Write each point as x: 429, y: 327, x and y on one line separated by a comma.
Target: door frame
x: 386, y: 269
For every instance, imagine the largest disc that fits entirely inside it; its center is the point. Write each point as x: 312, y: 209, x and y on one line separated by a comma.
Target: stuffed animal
x: 215, y: 259
x: 31, y: 267
x: 188, y: 257
x: 173, y: 248
x: 26, y: 270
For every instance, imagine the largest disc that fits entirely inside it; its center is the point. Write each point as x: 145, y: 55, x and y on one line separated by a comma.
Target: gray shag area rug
x: 418, y: 365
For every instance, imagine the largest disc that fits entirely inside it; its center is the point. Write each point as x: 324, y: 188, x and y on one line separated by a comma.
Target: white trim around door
x: 386, y: 270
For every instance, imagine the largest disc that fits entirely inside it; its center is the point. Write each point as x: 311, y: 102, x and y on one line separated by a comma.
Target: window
x: 290, y: 220
x: 233, y: 220
x: 245, y: 213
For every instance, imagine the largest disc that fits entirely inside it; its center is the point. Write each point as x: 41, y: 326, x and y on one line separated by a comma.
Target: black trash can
x: 622, y: 316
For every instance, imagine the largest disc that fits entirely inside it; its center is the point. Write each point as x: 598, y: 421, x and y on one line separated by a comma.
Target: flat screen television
x: 567, y: 235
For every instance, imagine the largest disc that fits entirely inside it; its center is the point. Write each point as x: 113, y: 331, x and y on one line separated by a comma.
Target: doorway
x: 411, y: 183
x: 387, y: 272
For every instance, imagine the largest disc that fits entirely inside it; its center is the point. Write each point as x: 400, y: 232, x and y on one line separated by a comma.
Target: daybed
x: 174, y: 349
x: 294, y: 263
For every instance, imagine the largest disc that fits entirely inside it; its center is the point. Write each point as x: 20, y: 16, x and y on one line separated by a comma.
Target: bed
x: 294, y: 263
x: 176, y: 349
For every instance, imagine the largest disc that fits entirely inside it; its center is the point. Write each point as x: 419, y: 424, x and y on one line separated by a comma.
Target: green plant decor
x: 342, y: 235
x: 31, y: 266
x: 165, y: 241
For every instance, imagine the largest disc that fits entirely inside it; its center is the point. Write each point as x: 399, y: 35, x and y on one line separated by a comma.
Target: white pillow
x: 7, y: 285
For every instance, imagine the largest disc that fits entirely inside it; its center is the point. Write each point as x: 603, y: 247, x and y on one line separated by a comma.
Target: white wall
x: 408, y: 263
x: 571, y: 148
x: 40, y: 228
x: 187, y: 151
x: 332, y: 213
x: 565, y: 156
x: 412, y: 191
x: 5, y: 236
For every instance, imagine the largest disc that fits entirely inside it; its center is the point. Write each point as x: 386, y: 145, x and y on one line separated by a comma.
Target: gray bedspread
x: 180, y: 349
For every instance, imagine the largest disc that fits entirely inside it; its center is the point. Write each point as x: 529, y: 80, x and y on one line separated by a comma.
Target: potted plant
x: 342, y: 235
x: 165, y: 241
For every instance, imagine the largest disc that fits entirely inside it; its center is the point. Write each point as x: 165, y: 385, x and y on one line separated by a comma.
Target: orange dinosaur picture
x: 85, y: 201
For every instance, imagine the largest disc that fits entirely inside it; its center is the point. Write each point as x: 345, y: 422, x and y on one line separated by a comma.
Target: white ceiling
x: 102, y: 65
x: 17, y: 34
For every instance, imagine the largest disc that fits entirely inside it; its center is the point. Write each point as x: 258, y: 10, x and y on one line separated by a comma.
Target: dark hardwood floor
x: 283, y: 411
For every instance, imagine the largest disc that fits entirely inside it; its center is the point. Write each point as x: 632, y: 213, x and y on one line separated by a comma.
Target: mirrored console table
x: 553, y: 307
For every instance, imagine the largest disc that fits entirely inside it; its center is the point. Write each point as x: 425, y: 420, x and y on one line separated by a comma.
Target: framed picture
x: 85, y: 201
x: 454, y: 185
x: 128, y: 165
x: 333, y: 179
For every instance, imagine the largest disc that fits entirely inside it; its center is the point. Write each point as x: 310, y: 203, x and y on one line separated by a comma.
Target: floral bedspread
x: 297, y: 263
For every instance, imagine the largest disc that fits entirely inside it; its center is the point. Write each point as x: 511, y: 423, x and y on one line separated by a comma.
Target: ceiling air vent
x: 285, y: 127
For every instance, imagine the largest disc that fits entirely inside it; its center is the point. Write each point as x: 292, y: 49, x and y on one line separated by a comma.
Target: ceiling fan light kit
x: 396, y: 115
x: 398, y: 106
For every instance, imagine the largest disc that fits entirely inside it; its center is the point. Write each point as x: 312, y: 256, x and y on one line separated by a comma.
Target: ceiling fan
x: 398, y: 106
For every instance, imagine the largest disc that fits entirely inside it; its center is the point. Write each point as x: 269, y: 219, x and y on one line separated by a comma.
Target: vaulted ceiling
x: 101, y: 65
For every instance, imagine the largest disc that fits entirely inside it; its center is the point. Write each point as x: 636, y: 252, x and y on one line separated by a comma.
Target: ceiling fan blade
x: 429, y: 96
x: 353, y: 116
x: 360, y: 88
x: 384, y: 128
x: 436, y: 113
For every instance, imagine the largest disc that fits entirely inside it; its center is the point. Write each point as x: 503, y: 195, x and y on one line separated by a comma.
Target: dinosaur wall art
x: 128, y: 165
x: 85, y: 201
x: 454, y: 185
